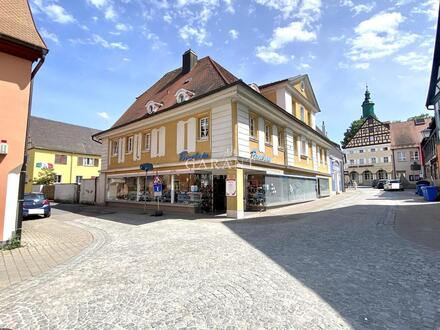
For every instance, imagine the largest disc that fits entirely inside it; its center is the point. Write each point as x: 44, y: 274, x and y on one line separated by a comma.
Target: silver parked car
x: 392, y: 185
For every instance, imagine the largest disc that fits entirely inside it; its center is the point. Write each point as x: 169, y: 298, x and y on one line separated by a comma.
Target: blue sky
x: 104, y: 53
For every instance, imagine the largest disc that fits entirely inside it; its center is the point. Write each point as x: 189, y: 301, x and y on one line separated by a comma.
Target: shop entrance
x: 219, y: 193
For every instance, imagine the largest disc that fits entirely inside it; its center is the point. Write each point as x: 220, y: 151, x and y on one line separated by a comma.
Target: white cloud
x: 359, y: 8
x: 363, y: 66
x: 103, y: 115
x: 270, y: 56
x: 98, y: 40
x: 188, y: 33
x: 156, y: 43
x: 302, y: 29
x: 378, y: 37
x: 415, y: 61
x: 98, y: 3
x: 110, y: 13
x: 295, y: 31
x: 55, y: 12
x: 123, y: 27
x: 167, y: 18
x: 428, y: 8
x: 49, y: 35
x: 233, y: 33
x: 337, y: 38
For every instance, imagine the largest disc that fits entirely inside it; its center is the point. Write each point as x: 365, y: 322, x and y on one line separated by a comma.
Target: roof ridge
x: 214, y: 64
x: 64, y: 123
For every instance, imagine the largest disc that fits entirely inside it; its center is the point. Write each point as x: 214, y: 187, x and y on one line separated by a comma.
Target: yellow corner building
x: 216, y: 144
x: 68, y: 149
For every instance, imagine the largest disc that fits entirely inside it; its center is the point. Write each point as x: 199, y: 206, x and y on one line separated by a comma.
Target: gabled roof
x: 57, y: 136
x: 435, y: 68
x: 293, y: 81
x: 407, y: 133
x: 205, y: 77
x: 17, y: 24
x: 385, y: 124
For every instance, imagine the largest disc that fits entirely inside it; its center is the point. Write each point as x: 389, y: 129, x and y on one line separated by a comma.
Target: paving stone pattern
x: 331, y: 264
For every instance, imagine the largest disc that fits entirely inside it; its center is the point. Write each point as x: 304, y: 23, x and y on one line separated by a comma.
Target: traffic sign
x: 157, y: 188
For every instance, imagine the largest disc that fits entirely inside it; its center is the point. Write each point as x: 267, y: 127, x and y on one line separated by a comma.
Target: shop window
x: 252, y: 127
x: 57, y: 178
x: 115, y: 148
x: 61, y: 159
x: 204, y: 128
x: 130, y: 144
x: 78, y: 179
x: 367, y: 176
x: 268, y: 134
x: 147, y: 141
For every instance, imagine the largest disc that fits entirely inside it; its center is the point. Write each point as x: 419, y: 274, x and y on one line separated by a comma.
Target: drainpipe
x: 22, y: 181
x: 394, y: 164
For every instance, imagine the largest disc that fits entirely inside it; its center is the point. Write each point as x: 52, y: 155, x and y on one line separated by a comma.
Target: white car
x: 393, y: 185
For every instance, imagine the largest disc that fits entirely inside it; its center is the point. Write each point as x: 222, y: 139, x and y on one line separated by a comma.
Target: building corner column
x: 235, y: 204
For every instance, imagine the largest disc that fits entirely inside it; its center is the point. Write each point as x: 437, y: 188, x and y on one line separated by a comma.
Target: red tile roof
x: 407, y: 133
x: 205, y: 77
x: 16, y: 22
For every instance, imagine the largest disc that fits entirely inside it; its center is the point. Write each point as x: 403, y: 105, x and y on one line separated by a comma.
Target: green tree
x: 45, y: 176
x: 351, y: 131
x: 421, y: 116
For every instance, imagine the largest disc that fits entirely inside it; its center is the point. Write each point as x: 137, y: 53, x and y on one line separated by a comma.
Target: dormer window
x: 183, y: 95
x: 152, y: 107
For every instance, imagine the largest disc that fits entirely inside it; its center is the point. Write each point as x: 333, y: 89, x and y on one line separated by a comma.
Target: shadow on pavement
x: 368, y: 277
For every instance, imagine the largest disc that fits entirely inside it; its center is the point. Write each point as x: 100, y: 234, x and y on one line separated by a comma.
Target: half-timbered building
x: 368, y: 153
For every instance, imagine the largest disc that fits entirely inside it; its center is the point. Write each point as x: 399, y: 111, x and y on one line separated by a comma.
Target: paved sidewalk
x: 46, y: 244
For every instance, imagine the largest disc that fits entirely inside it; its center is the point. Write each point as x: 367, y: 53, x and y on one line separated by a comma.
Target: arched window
x: 183, y: 95
x: 152, y: 107
x: 381, y: 174
x: 368, y: 175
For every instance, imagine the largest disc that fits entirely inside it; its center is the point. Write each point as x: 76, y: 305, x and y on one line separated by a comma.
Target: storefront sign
x: 263, y: 158
x: 157, y: 188
x: 184, y: 155
x: 44, y: 165
x: 231, y: 187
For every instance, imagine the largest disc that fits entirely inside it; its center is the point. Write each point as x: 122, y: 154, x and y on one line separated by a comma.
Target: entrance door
x: 219, y: 192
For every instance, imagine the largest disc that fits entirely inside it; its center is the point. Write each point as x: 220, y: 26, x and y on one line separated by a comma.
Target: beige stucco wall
x: 14, y: 98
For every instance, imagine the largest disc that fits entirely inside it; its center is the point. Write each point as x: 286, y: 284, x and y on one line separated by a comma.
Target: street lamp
x: 426, y: 132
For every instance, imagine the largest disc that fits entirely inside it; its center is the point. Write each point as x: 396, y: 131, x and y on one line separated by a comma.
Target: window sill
x: 268, y: 145
x: 145, y: 151
x: 253, y: 139
x: 304, y: 157
x: 202, y: 139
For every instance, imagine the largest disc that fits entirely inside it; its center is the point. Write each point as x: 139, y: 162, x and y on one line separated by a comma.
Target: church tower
x: 367, y: 106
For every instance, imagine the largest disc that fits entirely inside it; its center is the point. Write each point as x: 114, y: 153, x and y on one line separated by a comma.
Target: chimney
x: 189, y: 59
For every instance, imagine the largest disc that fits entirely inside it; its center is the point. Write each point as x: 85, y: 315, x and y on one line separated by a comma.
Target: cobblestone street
x: 343, y: 262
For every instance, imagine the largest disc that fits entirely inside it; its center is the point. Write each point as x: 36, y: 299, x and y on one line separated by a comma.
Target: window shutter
x: 180, y: 143
x: 119, y: 150
x: 96, y: 162
x: 261, y: 135
x: 314, y: 157
x: 139, y: 147
x: 154, y: 143
x: 275, y: 140
x: 80, y: 161
x: 191, y: 127
x: 135, y: 146
x: 123, y: 149
x: 161, y: 141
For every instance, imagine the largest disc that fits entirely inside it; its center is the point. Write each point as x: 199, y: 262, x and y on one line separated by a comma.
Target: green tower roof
x: 368, y: 106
